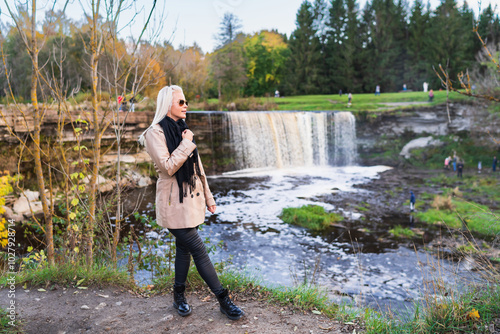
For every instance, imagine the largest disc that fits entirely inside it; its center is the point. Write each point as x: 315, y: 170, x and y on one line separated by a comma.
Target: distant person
x: 377, y: 90
x: 479, y: 167
x: 349, y: 99
x: 426, y: 87
x: 447, y: 163
x: 277, y: 93
x: 120, y: 100
x: 132, y: 104
x: 454, y: 163
x: 123, y: 106
x: 431, y: 95
x: 460, y: 168
x: 412, y: 201
x: 404, y: 87
x: 340, y: 92
x: 495, y: 161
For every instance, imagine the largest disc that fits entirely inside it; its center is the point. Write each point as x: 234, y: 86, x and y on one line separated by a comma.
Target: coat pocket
x: 170, y: 195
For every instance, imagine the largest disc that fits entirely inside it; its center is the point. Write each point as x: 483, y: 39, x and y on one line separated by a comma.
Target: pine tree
x: 451, y: 39
x: 418, y: 70
x: 385, y: 48
x: 305, y: 58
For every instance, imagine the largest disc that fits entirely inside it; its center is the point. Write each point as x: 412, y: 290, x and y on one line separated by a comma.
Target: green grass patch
x: 8, y: 325
x: 478, y: 218
x: 312, y: 217
x: 363, y: 102
x: 360, y: 102
x: 71, y: 274
x: 304, y: 297
x: 402, y: 232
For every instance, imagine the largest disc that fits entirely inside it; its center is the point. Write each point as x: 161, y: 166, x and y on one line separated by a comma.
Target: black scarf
x: 185, y: 175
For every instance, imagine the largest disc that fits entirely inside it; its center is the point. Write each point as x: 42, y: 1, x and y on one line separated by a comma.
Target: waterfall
x: 345, y: 139
x: 276, y: 139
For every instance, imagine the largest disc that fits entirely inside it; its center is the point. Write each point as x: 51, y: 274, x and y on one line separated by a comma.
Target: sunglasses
x: 181, y: 103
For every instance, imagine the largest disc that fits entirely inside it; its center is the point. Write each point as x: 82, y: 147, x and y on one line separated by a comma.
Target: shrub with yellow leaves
x: 5, y: 189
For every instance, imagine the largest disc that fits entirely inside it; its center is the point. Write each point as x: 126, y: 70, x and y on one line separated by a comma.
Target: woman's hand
x: 188, y: 134
x: 212, y: 209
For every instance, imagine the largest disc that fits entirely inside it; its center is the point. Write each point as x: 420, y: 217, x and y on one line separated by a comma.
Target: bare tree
x: 36, y: 117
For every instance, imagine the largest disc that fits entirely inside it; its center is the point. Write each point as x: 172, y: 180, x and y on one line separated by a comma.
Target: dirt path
x: 112, y: 310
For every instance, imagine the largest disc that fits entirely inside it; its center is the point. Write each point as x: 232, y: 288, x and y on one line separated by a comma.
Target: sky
x: 187, y: 21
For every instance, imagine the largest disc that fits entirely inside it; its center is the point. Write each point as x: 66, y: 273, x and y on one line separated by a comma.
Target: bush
x: 312, y: 217
x: 442, y: 203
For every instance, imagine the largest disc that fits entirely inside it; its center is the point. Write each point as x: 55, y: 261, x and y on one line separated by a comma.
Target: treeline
x: 336, y: 46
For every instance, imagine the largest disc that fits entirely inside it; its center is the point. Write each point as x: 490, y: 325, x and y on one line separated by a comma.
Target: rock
x: 85, y: 307
x: 118, y: 303
x: 142, y: 157
x: 21, y: 205
x: 31, y: 195
x: 110, y: 185
x: 168, y: 317
x: 24, y: 207
x: 144, y: 182
x: 418, y: 143
x: 100, y: 306
x: 100, y: 179
x: 10, y: 215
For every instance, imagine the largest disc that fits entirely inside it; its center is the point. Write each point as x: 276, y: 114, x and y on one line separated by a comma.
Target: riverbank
x: 387, y: 201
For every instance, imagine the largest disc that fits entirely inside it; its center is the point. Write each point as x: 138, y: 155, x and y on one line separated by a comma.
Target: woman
x: 182, y: 194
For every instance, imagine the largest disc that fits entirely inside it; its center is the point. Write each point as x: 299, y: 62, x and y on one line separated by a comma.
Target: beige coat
x: 170, y: 213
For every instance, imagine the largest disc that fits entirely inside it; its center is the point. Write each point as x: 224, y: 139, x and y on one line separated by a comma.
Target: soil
x: 114, y: 310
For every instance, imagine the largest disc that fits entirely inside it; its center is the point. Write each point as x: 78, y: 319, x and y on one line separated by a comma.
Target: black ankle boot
x: 227, y: 306
x: 180, y: 303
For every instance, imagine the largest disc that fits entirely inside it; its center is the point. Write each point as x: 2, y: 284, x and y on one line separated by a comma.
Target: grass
x: 312, y: 217
x: 477, y: 218
x: 360, y: 102
x: 71, y: 274
x: 8, y: 325
x: 402, y: 232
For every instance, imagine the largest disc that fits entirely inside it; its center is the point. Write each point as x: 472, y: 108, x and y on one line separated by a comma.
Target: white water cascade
x: 345, y: 139
x: 276, y: 139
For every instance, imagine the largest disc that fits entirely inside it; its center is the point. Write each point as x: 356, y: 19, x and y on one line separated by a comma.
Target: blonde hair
x: 163, y: 106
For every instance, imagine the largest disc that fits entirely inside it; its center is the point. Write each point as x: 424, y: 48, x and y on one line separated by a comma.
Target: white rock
x: 9, y: 214
x: 418, y: 143
x: 100, y: 179
x: 144, y: 182
x: 31, y: 195
x: 85, y: 307
x: 118, y: 303
x: 100, y: 306
x: 168, y: 317
x: 21, y: 205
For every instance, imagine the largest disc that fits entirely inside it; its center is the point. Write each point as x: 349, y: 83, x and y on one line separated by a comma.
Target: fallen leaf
x: 316, y: 312
x: 103, y: 296
x: 206, y: 299
x: 82, y: 287
x: 42, y: 290
x: 325, y: 328
x: 473, y: 315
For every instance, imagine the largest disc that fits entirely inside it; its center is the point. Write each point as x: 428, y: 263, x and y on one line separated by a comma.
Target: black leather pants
x: 188, y: 243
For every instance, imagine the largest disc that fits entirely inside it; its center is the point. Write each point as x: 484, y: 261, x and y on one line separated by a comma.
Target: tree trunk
x: 36, y: 140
